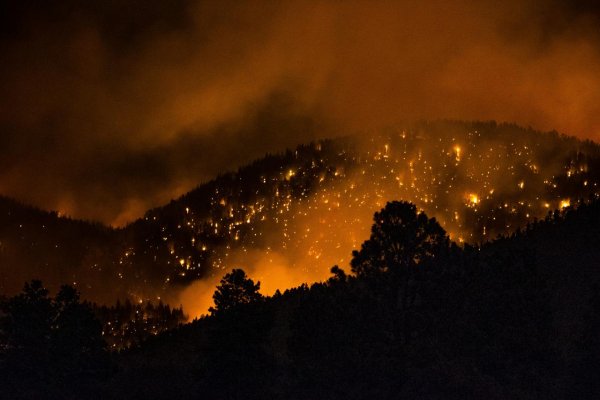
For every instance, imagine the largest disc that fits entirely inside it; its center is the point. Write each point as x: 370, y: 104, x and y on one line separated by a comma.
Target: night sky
x: 108, y: 108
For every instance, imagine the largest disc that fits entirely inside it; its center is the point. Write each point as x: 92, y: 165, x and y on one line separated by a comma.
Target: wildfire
x: 308, y: 229
x: 457, y: 151
x: 473, y: 198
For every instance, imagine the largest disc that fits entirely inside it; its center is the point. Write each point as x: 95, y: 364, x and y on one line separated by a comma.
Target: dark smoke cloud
x: 110, y: 107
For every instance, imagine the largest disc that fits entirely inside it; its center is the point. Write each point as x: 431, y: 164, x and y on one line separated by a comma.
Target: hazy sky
x: 110, y: 107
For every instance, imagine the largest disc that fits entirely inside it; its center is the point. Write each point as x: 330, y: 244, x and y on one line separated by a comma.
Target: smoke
x: 108, y: 108
x: 196, y: 298
x: 474, y: 181
x: 274, y: 270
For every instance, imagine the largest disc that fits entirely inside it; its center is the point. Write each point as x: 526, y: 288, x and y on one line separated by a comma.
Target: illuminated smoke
x: 110, y: 108
x: 503, y: 179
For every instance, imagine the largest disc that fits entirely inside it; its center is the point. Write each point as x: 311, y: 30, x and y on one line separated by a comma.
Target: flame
x: 457, y: 151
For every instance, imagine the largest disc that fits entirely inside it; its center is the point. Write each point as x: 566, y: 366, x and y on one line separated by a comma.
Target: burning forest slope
x: 515, y: 318
x: 287, y: 218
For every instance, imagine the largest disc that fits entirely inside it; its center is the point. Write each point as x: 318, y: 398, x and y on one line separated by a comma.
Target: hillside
x: 516, y: 318
x: 288, y: 218
x: 41, y: 244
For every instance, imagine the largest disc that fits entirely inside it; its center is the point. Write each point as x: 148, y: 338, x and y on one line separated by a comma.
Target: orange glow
x: 283, y: 240
x: 457, y: 151
x: 344, y: 66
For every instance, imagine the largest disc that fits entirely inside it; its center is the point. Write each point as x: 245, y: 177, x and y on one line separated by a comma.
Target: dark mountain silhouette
x: 419, y: 317
x: 41, y: 244
x: 514, y: 318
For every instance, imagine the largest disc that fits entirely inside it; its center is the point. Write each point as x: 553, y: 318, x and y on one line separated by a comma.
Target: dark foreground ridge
x: 419, y: 317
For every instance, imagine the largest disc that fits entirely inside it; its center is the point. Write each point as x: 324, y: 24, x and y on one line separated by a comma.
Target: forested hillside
x: 283, y: 215
x: 419, y: 318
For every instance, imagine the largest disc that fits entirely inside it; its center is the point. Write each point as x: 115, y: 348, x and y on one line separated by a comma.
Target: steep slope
x: 516, y: 318
x: 40, y: 244
x: 288, y: 218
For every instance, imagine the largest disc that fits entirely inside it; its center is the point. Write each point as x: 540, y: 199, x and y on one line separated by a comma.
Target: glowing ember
x: 457, y: 152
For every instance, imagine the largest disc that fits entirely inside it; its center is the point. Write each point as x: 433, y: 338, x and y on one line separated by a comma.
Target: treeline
x: 59, y: 347
x: 36, y: 243
x: 190, y: 237
x: 418, y: 318
x: 50, y: 347
x: 125, y: 324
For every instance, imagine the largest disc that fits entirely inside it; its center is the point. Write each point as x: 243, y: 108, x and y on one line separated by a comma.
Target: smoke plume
x: 108, y: 108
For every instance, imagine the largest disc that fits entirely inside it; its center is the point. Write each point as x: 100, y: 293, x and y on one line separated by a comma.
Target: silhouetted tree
x: 49, y: 346
x: 339, y: 275
x: 400, y: 239
x: 76, y: 333
x: 234, y: 289
x: 129, y: 325
x: 515, y: 318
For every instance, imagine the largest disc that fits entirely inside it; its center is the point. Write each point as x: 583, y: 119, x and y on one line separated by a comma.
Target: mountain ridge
x: 279, y: 214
